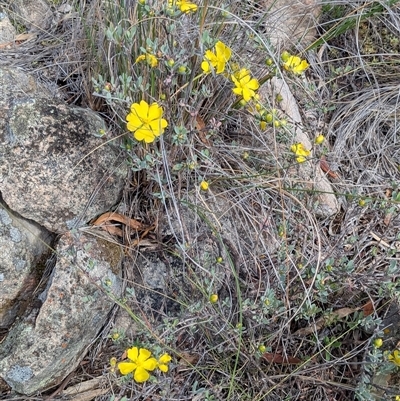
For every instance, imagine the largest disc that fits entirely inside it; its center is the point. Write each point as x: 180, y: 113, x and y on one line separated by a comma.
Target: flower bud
x: 319, y: 139
x: 213, y: 298
x: 285, y: 56
x: 204, y: 185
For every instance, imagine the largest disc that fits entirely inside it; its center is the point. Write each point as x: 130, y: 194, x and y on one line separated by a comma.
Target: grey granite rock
x: 49, y: 342
x: 54, y: 168
x: 34, y: 14
x: 7, y: 30
x: 22, y: 245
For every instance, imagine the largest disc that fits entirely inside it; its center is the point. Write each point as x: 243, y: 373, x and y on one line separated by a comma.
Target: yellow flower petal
x: 186, y: 6
x: 126, y: 367
x: 235, y: 81
x: 300, y: 159
x: 157, y: 127
x: 253, y: 84
x: 237, y: 91
x: 154, y: 112
x: 222, y: 51
x: 134, y: 122
x: 163, y: 368
x: 205, y: 66
x: 150, y: 364
x: 142, y: 57
x: 143, y: 355
x: 133, y: 353
x: 151, y: 60
x: 141, y: 375
x: 140, y: 109
x: 247, y: 94
x: 144, y: 134
x: 223, y: 54
x: 165, y: 358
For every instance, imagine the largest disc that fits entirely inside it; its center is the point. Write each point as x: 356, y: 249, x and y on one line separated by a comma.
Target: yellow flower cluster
x: 184, y: 5
x: 244, y: 85
x: 140, y: 363
x: 395, y: 357
x: 294, y: 63
x: 151, y: 59
x: 300, y: 151
x: 145, y: 121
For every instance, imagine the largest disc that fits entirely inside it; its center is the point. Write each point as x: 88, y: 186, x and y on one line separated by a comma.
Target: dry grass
x: 281, y: 270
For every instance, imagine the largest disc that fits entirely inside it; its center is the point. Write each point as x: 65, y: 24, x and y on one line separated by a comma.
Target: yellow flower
x: 140, y: 362
x: 216, y: 60
x: 300, y: 151
x: 204, y: 185
x: 149, y: 58
x: 295, y: 64
x: 146, y: 121
x: 319, y: 139
x: 395, y: 357
x: 245, y: 86
x: 378, y: 342
x: 184, y: 5
x: 397, y: 398
x: 163, y: 362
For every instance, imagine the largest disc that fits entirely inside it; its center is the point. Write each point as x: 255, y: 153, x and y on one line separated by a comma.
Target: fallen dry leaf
x: 281, y: 359
x: 23, y: 37
x: 188, y: 358
x: 368, y: 308
x: 388, y: 218
x: 105, y: 221
x: 326, y: 169
x: 89, y: 395
x: 202, y: 130
x: 84, y: 386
